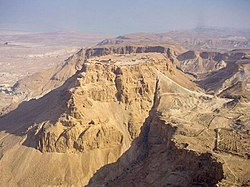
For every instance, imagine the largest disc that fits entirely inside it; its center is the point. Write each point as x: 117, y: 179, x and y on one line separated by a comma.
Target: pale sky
x: 122, y: 16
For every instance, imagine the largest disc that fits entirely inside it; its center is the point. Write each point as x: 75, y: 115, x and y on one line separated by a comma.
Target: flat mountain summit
x: 136, y: 113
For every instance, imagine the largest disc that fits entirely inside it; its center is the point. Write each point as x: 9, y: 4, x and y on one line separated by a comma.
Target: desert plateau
x: 145, y: 109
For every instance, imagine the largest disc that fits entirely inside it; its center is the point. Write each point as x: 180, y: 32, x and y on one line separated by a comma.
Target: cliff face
x: 160, y: 162
x: 223, y: 74
x: 231, y: 81
x: 213, y: 70
x: 203, y: 62
x: 106, y: 109
x: 199, y: 63
x: 94, y: 115
x: 178, y: 144
x: 85, y: 126
x: 111, y: 122
x: 101, y: 51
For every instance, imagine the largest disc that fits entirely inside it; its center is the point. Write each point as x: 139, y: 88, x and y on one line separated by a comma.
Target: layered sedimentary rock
x: 121, y: 124
x: 101, y: 51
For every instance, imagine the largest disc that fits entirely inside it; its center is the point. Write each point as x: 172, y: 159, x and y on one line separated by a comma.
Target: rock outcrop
x: 176, y: 144
x: 107, y: 50
x: 203, y: 62
x: 144, y: 124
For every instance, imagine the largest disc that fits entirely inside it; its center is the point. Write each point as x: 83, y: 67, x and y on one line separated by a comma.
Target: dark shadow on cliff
x: 154, y: 160
x: 36, y: 111
x: 213, y: 81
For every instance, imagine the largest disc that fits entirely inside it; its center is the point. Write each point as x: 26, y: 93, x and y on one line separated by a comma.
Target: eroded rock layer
x: 112, y: 123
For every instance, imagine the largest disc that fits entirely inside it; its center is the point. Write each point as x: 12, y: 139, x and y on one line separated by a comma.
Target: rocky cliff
x: 128, y: 49
x: 109, y: 123
x: 94, y: 115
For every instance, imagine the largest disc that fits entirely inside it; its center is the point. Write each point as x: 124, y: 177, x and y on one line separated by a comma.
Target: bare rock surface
x: 127, y: 118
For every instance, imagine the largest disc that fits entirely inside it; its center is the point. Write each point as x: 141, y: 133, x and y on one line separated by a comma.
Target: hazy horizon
x: 121, y: 17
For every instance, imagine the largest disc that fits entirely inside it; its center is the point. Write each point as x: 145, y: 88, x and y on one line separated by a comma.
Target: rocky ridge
x: 108, y: 123
x: 38, y: 84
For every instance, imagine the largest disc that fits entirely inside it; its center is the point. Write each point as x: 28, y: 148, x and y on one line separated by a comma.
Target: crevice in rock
x: 154, y: 160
